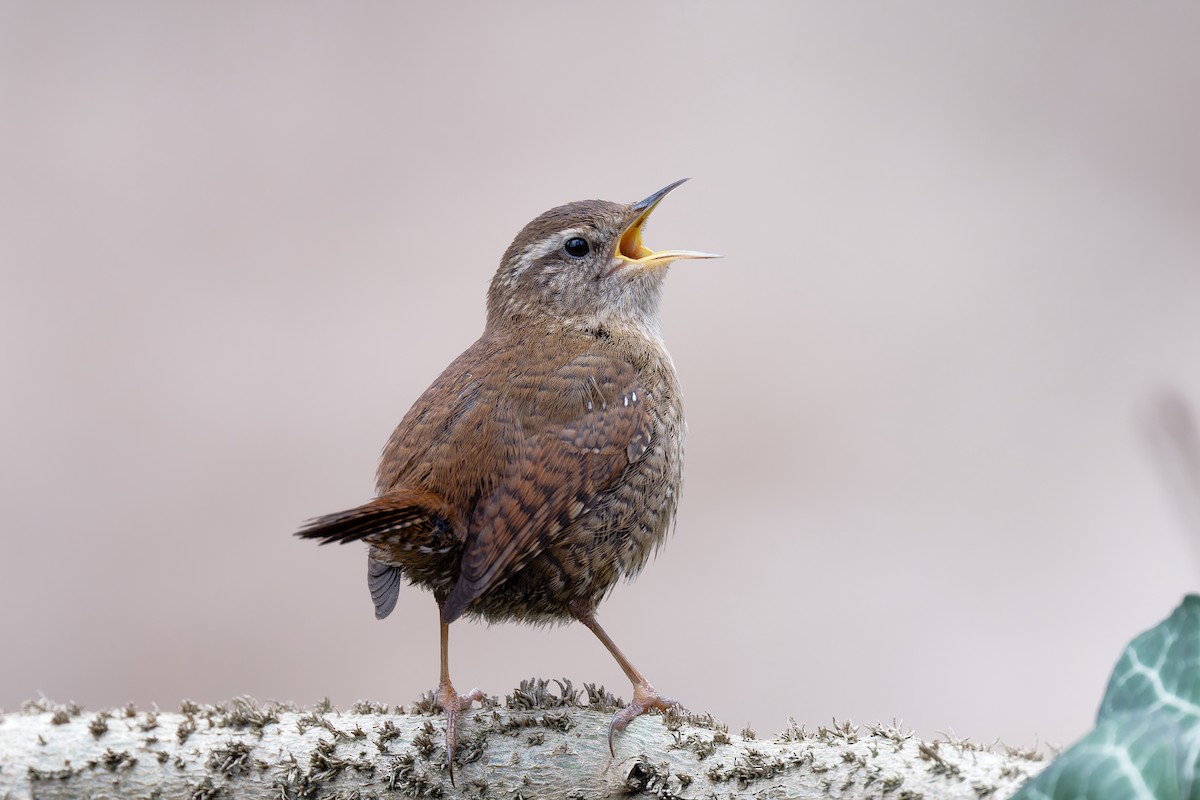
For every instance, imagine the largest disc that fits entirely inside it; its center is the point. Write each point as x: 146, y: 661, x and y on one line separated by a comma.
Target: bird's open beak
x: 631, y: 250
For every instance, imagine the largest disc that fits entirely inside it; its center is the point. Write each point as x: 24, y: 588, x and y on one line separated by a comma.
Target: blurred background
x: 962, y: 261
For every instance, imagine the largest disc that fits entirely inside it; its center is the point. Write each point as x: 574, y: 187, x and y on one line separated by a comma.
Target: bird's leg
x: 645, y: 697
x: 450, y: 701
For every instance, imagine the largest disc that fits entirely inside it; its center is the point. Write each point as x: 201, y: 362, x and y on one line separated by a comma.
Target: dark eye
x: 576, y: 247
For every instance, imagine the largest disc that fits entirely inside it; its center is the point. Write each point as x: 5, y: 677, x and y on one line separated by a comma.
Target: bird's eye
x: 576, y: 247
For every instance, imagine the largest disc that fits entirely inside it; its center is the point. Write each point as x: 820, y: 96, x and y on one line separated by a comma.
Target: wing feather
x: 581, y: 427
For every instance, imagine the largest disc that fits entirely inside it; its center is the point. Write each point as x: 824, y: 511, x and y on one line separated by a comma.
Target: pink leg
x: 645, y: 697
x: 450, y: 701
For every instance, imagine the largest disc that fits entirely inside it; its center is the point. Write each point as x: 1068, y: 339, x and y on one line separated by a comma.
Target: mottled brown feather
x: 578, y: 424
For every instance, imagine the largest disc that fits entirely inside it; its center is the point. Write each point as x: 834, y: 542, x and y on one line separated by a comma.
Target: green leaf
x: 1159, y: 672
x: 1146, y: 743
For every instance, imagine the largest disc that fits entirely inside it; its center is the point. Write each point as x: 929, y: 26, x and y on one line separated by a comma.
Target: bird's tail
x: 412, y: 533
x: 399, y: 519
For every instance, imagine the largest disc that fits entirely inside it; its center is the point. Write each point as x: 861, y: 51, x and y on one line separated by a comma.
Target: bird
x: 545, y: 463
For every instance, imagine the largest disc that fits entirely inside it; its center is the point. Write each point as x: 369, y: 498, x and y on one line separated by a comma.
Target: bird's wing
x: 455, y: 438
x: 580, y: 427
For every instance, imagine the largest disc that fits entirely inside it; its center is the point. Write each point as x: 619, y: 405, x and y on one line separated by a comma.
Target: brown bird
x: 546, y: 461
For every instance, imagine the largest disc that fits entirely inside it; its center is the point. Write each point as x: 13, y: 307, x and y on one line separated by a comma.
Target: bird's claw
x: 645, y: 697
x: 451, y: 702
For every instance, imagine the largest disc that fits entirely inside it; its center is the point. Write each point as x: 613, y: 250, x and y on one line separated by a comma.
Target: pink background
x: 963, y: 257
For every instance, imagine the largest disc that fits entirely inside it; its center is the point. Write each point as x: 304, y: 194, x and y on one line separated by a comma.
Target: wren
x: 546, y: 461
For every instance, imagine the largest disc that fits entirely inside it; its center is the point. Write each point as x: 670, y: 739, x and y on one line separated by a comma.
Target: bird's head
x: 584, y: 265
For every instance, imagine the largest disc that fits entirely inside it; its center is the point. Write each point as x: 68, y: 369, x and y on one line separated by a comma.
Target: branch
x: 539, y: 745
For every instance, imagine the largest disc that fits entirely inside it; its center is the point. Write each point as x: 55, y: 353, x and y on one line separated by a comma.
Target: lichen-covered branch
x: 544, y: 741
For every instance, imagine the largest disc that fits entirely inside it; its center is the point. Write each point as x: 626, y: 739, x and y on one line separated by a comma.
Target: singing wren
x: 546, y: 461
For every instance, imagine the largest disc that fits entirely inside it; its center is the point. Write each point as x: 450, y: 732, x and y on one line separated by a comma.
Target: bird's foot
x: 645, y: 697
x: 451, y: 702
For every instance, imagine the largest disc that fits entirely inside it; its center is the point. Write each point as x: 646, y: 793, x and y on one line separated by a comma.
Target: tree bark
x: 539, y: 744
